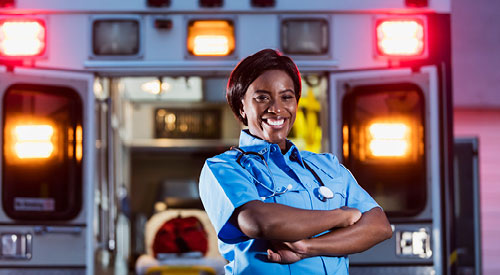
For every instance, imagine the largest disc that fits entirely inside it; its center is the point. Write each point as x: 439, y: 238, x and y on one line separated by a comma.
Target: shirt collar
x: 294, y: 154
x: 248, y: 142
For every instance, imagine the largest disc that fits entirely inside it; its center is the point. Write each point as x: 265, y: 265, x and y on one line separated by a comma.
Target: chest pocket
x: 335, y: 183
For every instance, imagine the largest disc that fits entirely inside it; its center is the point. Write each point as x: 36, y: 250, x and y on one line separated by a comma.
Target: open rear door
x: 46, y: 170
x: 385, y: 128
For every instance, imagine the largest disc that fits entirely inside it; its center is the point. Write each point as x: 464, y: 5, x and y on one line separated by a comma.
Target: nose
x: 276, y: 107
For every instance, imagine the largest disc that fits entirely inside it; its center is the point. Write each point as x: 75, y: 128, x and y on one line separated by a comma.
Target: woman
x: 277, y: 210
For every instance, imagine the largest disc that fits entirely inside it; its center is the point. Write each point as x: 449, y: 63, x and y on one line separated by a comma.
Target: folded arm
x: 273, y: 221
x: 372, y: 228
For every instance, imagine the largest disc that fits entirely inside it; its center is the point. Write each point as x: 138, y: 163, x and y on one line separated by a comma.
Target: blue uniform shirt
x: 226, y: 185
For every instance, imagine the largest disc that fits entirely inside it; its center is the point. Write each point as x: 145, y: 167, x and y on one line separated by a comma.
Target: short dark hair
x: 250, y: 69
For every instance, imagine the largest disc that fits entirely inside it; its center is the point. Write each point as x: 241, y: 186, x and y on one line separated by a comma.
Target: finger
x: 273, y: 257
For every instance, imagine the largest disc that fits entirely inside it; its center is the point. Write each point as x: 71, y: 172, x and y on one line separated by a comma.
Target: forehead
x: 272, y: 80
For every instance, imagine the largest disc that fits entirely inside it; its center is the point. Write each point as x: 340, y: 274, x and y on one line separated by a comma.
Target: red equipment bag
x: 181, y: 235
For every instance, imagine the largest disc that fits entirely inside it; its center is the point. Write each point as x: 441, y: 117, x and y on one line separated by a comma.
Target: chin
x: 277, y: 139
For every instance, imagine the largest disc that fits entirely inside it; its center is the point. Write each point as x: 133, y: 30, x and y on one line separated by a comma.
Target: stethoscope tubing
x: 320, y: 191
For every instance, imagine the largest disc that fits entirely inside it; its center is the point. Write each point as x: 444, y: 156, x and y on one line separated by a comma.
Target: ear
x: 242, y: 113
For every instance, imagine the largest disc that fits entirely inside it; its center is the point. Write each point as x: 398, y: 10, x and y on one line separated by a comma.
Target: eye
x: 288, y: 97
x: 262, y: 98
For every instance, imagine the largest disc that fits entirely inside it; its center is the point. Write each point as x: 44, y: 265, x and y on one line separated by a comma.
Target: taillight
x: 417, y: 3
x: 42, y: 152
x: 22, y: 38
x: 6, y: 3
x: 389, y: 139
x: 400, y: 37
x: 33, y: 141
x: 211, y: 38
x: 384, y: 144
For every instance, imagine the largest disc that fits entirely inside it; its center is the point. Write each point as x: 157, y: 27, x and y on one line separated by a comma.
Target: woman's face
x: 270, y: 105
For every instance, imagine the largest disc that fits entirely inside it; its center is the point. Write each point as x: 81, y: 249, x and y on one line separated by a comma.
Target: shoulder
x: 223, y: 164
x: 229, y: 156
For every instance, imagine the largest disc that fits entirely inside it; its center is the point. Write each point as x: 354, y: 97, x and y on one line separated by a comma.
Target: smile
x: 275, y: 121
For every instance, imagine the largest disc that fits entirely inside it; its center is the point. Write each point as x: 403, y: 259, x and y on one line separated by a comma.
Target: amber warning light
x: 22, y: 38
x: 400, y: 37
x: 210, y: 38
x: 33, y: 141
x: 389, y: 139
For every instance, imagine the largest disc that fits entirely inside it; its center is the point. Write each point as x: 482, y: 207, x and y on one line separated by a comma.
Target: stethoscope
x: 322, y: 192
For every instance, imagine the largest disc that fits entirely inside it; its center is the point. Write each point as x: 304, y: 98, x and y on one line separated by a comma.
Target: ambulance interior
x: 163, y: 129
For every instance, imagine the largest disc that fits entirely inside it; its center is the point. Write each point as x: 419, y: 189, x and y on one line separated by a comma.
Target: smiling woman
x: 269, y: 106
x: 278, y: 210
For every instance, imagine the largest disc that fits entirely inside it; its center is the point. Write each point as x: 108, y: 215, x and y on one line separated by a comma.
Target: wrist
x: 307, y: 249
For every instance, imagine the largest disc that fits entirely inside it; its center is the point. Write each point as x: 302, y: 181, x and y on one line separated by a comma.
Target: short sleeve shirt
x: 226, y: 184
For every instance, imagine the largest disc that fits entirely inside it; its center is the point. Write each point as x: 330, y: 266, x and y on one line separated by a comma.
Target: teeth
x: 275, y: 122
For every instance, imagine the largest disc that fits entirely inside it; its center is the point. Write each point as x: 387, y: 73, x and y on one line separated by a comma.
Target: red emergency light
x: 401, y: 38
x: 22, y: 38
x: 6, y: 3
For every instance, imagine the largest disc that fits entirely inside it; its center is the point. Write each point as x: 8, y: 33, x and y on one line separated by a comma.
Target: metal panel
x: 51, y: 246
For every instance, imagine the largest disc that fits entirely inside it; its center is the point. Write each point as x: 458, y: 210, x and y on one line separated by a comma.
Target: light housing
x: 7, y: 3
x: 417, y: 3
x: 158, y: 3
x: 304, y: 36
x: 42, y: 152
x: 263, y: 3
x: 383, y: 135
x: 210, y: 38
x: 115, y: 37
x: 211, y: 3
x: 22, y: 38
x: 400, y: 37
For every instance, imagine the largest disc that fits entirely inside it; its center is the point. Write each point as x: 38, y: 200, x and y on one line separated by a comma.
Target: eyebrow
x: 280, y: 92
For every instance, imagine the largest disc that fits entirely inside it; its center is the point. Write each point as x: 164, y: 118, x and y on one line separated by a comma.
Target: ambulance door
x: 385, y: 128
x: 46, y: 171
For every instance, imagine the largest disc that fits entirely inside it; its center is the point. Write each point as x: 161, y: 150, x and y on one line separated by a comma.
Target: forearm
x: 371, y: 229
x: 283, y: 223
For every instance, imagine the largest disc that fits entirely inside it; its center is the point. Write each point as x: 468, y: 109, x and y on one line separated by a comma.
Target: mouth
x: 276, y: 122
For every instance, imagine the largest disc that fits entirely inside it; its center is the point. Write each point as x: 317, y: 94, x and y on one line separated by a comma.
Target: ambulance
x: 110, y: 107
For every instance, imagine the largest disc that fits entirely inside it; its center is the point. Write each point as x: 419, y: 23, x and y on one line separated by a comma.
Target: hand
x: 352, y: 215
x: 287, y: 252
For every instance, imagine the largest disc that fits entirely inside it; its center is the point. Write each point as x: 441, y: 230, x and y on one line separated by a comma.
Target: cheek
x: 293, y: 112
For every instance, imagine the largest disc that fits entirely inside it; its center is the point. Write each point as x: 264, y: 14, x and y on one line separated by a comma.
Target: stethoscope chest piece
x: 323, y: 193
